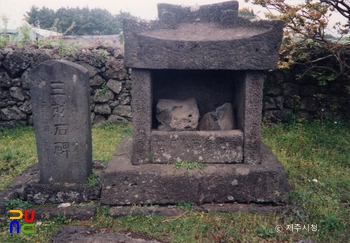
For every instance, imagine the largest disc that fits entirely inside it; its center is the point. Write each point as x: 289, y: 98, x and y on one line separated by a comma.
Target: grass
x: 17, y: 204
x: 93, y: 179
x: 316, y: 157
x: 18, y: 150
x: 188, y: 165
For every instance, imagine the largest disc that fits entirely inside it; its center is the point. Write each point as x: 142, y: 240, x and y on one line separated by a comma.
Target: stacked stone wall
x: 110, y: 83
x: 110, y: 87
x: 285, y: 96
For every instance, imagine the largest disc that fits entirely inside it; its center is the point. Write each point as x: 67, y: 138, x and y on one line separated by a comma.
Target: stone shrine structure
x: 209, y: 57
x: 60, y: 94
x: 209, y: 54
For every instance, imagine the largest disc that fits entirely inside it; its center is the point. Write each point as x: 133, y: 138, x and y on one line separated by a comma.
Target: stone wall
x: 110, y: 88
x: 285, y: 96
x: 109, y: 82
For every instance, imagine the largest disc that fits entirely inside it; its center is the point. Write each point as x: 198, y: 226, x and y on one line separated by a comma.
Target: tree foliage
x: 77, y: 21
x: 342, y: 6
x: 246, y: 13
x: 25, y: 33
x: 305, y: 41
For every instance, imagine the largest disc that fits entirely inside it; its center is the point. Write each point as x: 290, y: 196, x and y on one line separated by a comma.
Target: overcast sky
x: 145, y: 9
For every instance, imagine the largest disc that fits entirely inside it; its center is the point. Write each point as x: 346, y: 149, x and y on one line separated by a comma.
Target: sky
x: 145, y: 9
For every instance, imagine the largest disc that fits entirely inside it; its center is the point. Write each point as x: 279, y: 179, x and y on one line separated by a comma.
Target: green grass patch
x: 316, y: 157
x: 105, y: 139
x: 17, y: 152
x: 188, y: 165
x: 185, y: 206
x: 93, y: 179
x: 17, y: 204
x: 18, y: 148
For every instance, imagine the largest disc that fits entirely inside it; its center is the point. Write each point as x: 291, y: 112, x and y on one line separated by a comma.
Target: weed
x: 347, y: 87
x: 4, y: 42
x: 46, y: 44
x: 103, y: 89
x: 103, y: 219
x: 25, y: 33
x: 105, y: 210
x: 61, y: 219
x: 330, y: 222
x: 93, y: 179
x: 102, y: 52
x: 188, y: 165
x: 185, y: 206
x: 62, y: 48
x: 265, y: 232
x: 127, y: 131
x: 5, y: 38
x: 121, y: 38
x: 150, y: 157
x: 17, y: 203
x: 65, y: 49
x: 107, y: 126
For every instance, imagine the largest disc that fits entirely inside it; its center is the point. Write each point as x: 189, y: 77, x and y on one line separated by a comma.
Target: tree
x: 25, y: 33
x: 5, y: 21
x: 78, y: 21
x: 305, y: 41
x: 341, y: 6
x: 4, y: 37
x: 246, y: 13
x: 44, y: 15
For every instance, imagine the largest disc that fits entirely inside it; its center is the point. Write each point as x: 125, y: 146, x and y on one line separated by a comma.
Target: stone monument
x: 60, y: 94
x: 204, y: 56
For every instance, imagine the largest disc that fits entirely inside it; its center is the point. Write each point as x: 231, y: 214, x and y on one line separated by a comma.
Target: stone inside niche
x: 177, y: 115
x: 221, y: 119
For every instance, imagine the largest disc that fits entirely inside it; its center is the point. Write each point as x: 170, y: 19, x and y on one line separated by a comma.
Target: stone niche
x: 209, y: 57
x: 209, y: 54
x: 211, y: 89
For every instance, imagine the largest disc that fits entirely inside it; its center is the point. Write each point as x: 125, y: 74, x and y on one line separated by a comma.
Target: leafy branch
x: 306, y: 42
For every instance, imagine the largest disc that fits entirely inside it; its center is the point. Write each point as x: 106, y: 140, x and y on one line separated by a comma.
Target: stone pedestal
x: 127, y: 184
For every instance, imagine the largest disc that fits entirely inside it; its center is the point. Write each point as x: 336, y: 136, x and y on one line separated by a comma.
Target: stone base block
x: 28, y: 186
x: 197, y: 146
x: 172, y: 211
x: 59, y: 193
x: 127, y: 184
x: 87, y: 234
x: 73, y: 213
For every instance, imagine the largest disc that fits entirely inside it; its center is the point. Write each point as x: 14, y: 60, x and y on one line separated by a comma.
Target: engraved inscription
x: 61, y: 148
x: 58, y: 110
x: 57, y: 88
x: 61, y: 129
